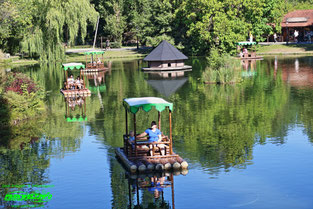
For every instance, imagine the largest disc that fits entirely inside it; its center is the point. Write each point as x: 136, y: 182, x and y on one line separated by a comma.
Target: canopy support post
x: 86, y: 59
x: 172, y: 187
x: 171, y: 140
x: 159, y: 119
x: 135, y: 135
x: 126, y: 129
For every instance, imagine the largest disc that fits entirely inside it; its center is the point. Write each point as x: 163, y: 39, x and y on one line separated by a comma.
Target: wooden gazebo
x: 165, y: 57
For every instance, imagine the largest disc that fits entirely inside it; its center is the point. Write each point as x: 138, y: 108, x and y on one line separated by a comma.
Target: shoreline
x: 128, y: 54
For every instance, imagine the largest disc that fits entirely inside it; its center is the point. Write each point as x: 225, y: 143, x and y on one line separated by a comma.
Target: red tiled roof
x: 298, y: 18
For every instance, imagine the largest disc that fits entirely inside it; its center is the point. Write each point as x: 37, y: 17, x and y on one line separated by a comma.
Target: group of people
x: 73, y: 101
x: 74, y: 84
x: 243, y: 52
x: 154, y: 135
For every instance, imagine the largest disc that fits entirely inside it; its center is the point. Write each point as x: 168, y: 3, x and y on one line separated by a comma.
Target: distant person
x: 107, y: 44
x: 99, y: 61
x: 70, y: 82
x: 155, y: 135
x: 275, y: 37
x: 296, y: 34
x: 251, y: 37
x: 78, y: 83
x: 245, y: 51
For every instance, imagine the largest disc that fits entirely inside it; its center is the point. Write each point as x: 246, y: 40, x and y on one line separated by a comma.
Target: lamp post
x: 287, y: 31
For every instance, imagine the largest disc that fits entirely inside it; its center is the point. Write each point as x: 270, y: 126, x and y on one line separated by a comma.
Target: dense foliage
x: 39, y: 28
x: 21, y: 96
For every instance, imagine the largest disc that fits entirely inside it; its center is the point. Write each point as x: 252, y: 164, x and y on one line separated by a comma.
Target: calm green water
x: 248, y: 145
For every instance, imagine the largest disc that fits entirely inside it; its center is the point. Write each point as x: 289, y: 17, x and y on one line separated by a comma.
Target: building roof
x: 165, y: 51
x: 298, y: 18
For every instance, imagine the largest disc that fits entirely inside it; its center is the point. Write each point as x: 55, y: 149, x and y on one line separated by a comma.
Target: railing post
x: 171, y: 140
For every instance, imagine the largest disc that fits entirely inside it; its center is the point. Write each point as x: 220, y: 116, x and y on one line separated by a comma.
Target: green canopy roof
x: 94, y: 52
x: 75, y: 119
x: 146, y: 103
x: 73, y: 66
x: 246, y: 43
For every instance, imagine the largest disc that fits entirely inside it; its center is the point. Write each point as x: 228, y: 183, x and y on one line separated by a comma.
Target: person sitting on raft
x: 155, y: 135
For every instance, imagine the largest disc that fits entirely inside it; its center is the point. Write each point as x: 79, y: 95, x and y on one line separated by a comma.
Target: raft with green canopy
x: 72, y: 89
x: 249, y: 56
x: 96, y: 63
x: 144, y: 154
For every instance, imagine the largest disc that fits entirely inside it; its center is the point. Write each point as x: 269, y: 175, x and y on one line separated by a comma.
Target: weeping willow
x: 52, y: 21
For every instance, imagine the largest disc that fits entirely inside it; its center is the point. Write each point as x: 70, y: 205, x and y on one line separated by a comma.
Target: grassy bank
x: 293, y: 49
x: 77, y: 57
x: 109, y: 55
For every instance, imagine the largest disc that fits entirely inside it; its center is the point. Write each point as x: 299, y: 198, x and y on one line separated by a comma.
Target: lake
x: 248, y: 145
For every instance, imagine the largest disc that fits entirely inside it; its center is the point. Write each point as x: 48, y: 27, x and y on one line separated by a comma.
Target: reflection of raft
x: 136, y: 155
x: 76, y: 92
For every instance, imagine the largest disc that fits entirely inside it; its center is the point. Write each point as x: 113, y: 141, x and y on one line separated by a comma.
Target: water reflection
x: 147, y: 191
x: 168, y: 82
x: 219, y: 129
x: 297, y: 75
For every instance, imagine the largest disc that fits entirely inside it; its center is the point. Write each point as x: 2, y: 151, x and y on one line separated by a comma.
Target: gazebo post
x: 86, y: 59
x: 135, y: 134
x: 84, y: 82
x: 171, y: 140
x: 126, y: 129
x: 159, y: 119
x: 66, y: 77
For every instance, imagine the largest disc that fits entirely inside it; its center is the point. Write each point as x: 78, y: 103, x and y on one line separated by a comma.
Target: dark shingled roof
x: 165, y: 51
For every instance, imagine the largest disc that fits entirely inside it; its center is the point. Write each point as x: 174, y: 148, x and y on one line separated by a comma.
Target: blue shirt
x: 153, y: 136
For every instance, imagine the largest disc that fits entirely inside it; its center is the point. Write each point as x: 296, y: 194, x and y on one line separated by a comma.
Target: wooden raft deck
x: 144, y: 164
x: 76, y: 92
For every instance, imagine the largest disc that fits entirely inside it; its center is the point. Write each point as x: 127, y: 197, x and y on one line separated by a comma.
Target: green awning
x: 74, y: 119
x: 95, y: 88
x: 73, y: 66
x: 146, y: 103
x: 94, y: 52
x: 246, y: 43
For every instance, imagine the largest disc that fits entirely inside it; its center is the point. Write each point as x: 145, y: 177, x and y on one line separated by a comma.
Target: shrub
x: 21, y: 97
x: 222, y: 69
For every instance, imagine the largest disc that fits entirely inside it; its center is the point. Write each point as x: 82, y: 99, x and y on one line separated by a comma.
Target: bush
x: 222, y: 69
x: 21, y: 97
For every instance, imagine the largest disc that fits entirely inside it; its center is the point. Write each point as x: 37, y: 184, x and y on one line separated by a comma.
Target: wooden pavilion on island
x: 136, y: 154
x: 96, y: 61
x: 165, y: 57
x: 74, y: 88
